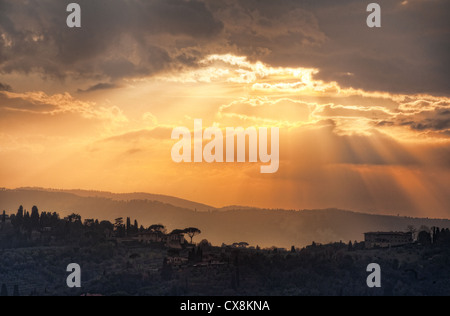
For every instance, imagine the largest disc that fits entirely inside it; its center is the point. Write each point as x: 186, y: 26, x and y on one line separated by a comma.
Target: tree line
x: 25, y: 224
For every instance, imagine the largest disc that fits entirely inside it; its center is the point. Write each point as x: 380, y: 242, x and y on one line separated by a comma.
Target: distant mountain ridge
x: 131, y: 196
x: 261, y: 227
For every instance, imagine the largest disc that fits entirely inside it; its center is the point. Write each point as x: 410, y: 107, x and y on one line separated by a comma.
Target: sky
x: 363, y: 113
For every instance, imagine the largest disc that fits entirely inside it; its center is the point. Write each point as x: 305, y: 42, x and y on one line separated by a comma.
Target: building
x: 172, y: 240
x: 177, y: 261
x: 151, y: 237
x: 387, y: 239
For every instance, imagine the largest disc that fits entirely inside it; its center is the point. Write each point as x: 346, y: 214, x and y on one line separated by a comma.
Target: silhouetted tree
x: 205, y: 244
x: 34, y: 217
x: 424, y: 238
x: 107, y: 228
x: 128, y: 225
x: 19, y: 217
x: 192, y: 232
x: 26, y: 220
x: 135, y: 227
x: 157, y: 228
x: 74, y: 218
x: 199, y: 254
x: 4, y: 217
x: 16, y: 290
x: 350, y: 246
x: 4, y: 291
x: 436, y: 234
x: 89, y: 222
x: 119, y: 227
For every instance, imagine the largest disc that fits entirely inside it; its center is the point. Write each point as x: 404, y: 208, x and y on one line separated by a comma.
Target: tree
x: 89, y: 222
x: 128, y: 225
x: 16, y: 290
x: 26, y: 220
x: 350, y: 246
x: 19, y: 217
x: 436, y: 234
x: 192, y: 232
x: 157, y: 228
x: 178, y: 232
x: 4, y: 291
x: 204, y: 244
x: 411, y: 229
x: 424, y: 238
x: 34, y: 217
x: 119, y: 223
x: 74, y: 218
x: 119, y: 227
x: 107, y: 227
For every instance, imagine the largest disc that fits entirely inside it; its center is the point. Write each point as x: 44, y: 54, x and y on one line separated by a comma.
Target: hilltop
x: 263, y: 227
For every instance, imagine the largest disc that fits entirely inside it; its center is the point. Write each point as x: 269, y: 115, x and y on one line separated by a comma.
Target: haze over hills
x: 261, y: 227
x: 129, y: 196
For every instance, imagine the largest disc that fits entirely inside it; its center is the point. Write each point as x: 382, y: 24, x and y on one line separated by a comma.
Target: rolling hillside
x: 261, y: 227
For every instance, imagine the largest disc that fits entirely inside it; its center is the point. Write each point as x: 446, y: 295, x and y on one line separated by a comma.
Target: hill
x: 261, y: 227
x: 127, y: 197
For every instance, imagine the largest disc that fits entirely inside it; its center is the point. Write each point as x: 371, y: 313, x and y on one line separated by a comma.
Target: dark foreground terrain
x: 124, y: 259
x: 320, y: 270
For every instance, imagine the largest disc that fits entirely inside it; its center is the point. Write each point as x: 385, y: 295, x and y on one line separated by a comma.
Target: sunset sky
x: 364, y: 114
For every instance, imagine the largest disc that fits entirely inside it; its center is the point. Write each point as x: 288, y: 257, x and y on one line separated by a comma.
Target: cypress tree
x: 4, y: 291
x: 16, y: 290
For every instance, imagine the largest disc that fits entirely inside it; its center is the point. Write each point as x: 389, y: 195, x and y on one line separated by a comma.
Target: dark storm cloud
x: 409, y: 54
x: 133, y: 38
x: 117, y: 39
x: 437, y: 120
x: 99, y: 87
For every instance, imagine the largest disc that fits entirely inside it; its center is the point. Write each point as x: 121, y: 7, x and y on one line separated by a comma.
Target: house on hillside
x: 387, y: 239
x: 175, y: 240
x: 177, y: 261
x: 172, y: 240
x: 151, y: 237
